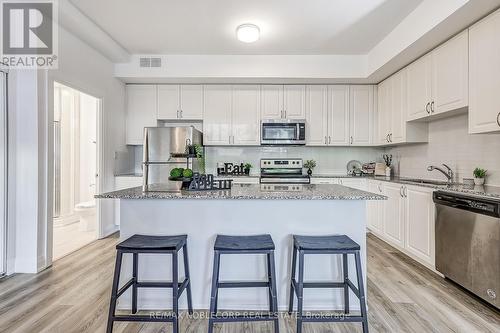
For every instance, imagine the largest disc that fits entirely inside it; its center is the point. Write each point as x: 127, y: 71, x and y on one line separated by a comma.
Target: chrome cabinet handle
x: 498, y: 118
x: 177, y: 114
x: 387, y: 137
x: 182, y: 114
x: 281, y: 114
x: 405, y: 192
x: 379, y: 188
x: 401, y: 191
x: 427, y: 108
x: 351, y: 141
x: 285, y: 114
x: 390, y: 137
x: 329, y: 139
x: 432, y: 107
x: 325, y: 140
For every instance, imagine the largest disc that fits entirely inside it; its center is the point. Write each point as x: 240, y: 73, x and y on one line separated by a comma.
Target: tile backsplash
x: 450, y: 143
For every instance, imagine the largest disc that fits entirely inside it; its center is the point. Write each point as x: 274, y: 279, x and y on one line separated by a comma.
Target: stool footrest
x: 144, y: 318
x: 319, y: 284
x: 243, y: 284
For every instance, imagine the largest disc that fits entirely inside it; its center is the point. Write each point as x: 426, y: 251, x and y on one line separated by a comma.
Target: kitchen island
x: 243, y: 210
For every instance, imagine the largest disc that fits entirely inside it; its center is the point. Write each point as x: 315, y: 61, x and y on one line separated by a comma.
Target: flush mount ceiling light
x: 248, y: 33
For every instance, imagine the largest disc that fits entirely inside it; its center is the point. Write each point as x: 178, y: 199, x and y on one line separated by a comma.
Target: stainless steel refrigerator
x: 165, y: 148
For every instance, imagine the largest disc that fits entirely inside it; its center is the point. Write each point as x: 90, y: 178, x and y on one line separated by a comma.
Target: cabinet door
x: 419, y: 87
x: 316, y: 115
x: 484, y: 75
x: 246, y: 115
x: 450, y: 75
x: 294, y: 101
x: 419, y: 217
x: 394, y: 215
x: 272, y: 102
x: 338, y: 115
x: 217, y: 115
x: 399, y: 107
x: 375, y: 209
x: 384, y: 111
x: 168, y: 101
x: 191, y: 105
x: 361, y: 115
x: 141, y: 111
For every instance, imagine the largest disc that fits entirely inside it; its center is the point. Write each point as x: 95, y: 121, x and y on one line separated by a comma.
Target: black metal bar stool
x: 340, y: 244
x: 259, y: 244
x: 150, y: 244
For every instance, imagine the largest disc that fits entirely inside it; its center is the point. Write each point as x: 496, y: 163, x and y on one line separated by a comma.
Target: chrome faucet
x: 448, y: 173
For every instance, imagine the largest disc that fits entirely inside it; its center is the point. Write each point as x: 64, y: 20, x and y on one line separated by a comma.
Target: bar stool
x: 150, y: 244
x: 259, y: 244
x: 340, y: 244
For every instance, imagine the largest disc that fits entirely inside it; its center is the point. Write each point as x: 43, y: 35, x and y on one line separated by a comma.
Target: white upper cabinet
x: 419, y: 88
x: 484, y: 75
x: 384, y: 110
x: 316, y: 115
x: 217, y: 115
x: 294, y: 101
x: 361, y: 115
x: 180, y: 102
x: 398, y: 100
x: 141, y: 111
x: 338, y: 115
x: 245, y: 129
x: 450, y: 75
x: 272, y: 102
x: 191, y: 101
x: 168, y: 101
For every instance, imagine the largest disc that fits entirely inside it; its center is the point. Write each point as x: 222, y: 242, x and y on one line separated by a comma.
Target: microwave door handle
x: 297, y: 136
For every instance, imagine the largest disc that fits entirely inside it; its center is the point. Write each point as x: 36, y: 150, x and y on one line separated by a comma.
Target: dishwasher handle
x: 477, y: 205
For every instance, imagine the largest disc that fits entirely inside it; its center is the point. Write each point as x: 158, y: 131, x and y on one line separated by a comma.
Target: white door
x: 375, y: 209
x: 450, y: 75
x: 419, y: 216
x: 272, y: 102
x: 246, y: 115
x: 399, y: 107
x: 384, y: 111
x: 419, y: 87
x: 191, y: 105
x: 484, y: 75
x: 394, y: 214
x: 316, y: 115
x: 361, y: 115
x: 338, y: 115
x: 294, y: 101
x: 168, y: 101
x: 3, y: 172
x: 217, y: 115
x: 141, y: 111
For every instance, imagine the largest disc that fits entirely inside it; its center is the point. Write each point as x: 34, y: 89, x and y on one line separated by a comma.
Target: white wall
x: 450, y: 143
x: 82, y: 68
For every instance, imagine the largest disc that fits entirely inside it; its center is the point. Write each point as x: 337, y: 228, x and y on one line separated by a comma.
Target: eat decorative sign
x: 231, y: 169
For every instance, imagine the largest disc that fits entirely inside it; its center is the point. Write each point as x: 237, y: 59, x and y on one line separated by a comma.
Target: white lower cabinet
x: 359, y: 184
x: 405, y: 220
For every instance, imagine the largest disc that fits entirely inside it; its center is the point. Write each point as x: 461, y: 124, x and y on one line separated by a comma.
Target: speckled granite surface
x: 253, y: 192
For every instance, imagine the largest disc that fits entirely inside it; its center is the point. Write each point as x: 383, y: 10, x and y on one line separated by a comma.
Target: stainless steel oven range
x: 282, y: 171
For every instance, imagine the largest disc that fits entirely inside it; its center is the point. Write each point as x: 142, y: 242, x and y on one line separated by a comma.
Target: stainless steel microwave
x: 283, y: 132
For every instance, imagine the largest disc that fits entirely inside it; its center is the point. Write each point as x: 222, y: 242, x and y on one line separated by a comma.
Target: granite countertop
x: 253, y: 191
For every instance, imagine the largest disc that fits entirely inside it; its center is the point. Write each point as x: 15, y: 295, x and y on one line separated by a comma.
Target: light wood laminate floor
x: 73, y: 296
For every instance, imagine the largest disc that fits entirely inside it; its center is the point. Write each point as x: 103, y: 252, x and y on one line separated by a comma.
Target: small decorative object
x: 207, y: 183
x: 247, y: 166
x: 479, y: 175
x: 388, y: 162
x: 309, y: 165
x: 181, y: 175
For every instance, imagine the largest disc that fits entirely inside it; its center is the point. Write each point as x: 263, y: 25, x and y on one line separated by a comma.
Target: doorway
x: 75, y: 218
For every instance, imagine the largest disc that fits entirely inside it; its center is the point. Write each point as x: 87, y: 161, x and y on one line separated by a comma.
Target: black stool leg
x: 216, y: 308
x: 213, y: 300
x: 135, y: 264
x: 186, y: 272
x: 300, y: 292
x: 362, y: 299
x: 175, y: 292
x: 292, y: 290
x: 346, y: 286
x: 274, y: 298
x: 114, y: 291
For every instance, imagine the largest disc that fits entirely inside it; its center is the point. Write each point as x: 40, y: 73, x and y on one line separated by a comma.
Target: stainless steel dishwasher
x: 468, y: 243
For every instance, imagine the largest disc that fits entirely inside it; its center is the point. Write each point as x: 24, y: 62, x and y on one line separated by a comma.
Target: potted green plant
x: 247, y: 167
x: 200, y: 157
x: 309, y: 165
x: 479, y: 175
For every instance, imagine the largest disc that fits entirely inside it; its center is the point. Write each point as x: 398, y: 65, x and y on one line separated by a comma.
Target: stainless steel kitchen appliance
x: 165, y: 149
x: 468, y: 243
x: 283, y: 132
x: 282, y: 171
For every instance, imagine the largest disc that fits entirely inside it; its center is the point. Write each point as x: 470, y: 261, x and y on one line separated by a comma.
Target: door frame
x: 5, y: 184
x: 50, y: 162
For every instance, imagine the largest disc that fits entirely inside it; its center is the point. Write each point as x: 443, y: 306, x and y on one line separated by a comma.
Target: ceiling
x: 208, y: 26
